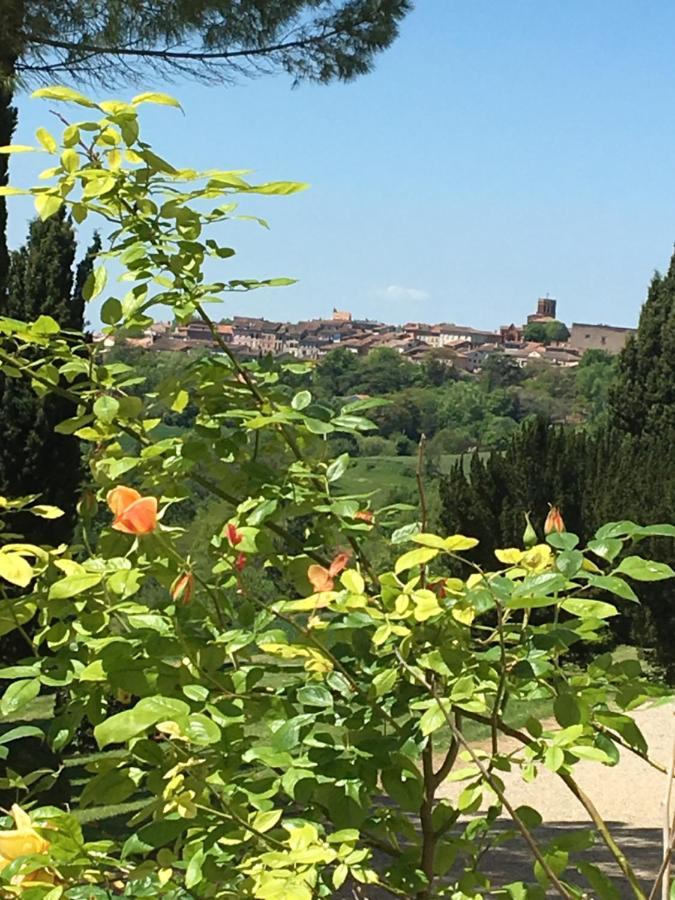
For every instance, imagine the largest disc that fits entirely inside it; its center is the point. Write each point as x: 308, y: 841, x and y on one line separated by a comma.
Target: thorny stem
x: 487, y: 777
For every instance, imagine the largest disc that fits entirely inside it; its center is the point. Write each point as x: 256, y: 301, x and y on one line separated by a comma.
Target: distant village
x: 463, y: 347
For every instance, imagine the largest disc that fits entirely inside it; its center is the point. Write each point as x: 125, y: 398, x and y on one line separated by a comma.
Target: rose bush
x: 289, y: 749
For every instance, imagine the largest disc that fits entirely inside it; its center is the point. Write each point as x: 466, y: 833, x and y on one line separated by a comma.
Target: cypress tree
x: 643, y: 396
x: 33, y: 458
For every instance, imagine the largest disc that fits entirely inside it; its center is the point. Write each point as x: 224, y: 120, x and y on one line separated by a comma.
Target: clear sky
x: 499, y: 151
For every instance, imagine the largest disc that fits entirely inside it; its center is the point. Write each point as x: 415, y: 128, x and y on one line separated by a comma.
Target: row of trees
x: 625, y: 470
x: 458, y: 413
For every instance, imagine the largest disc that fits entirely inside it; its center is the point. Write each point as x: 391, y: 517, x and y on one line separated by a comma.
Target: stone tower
x: 546, y: 307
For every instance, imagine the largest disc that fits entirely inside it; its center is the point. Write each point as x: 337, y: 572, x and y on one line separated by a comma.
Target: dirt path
x: 630, y: 793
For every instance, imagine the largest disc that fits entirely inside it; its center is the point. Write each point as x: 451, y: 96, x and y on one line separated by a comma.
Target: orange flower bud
x: 234, y: 536
x: 554, y: 521
x: 183, y: 588
x: 133, y: 513
x: 365, y: 515
x: 87, y: 505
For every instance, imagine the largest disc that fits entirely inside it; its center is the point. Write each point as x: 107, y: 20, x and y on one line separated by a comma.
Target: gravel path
x: 630, y: 793
x: 629, y: 796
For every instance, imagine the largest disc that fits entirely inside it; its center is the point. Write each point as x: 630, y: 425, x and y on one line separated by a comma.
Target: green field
x: 384, y: 476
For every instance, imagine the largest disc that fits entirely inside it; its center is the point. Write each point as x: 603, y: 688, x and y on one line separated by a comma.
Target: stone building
x: 598, y: 337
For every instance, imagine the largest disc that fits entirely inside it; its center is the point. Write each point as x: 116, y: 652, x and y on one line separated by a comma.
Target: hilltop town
x: 543, y: 338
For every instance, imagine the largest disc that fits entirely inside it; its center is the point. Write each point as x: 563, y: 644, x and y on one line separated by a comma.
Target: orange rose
x: 133, y: 513
x: 322, y: 579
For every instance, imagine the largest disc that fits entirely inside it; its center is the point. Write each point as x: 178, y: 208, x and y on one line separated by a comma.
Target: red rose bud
x: 183, y: 588
x: 241, y: 562
x: 234, y: 536
x: 554, y: 521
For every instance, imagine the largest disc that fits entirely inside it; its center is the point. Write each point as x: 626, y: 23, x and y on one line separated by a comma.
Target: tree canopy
x: 213, y: 40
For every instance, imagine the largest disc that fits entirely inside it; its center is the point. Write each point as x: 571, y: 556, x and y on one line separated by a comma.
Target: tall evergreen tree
x: 625, y: 470
x: 643, y: 396
x: 33, y: 458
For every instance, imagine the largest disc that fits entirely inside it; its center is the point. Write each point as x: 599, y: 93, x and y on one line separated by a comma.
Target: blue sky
x: 498, y: 152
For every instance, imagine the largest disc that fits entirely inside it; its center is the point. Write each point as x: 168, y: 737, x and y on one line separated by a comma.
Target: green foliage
x: 642, y: 398
x: 546, y: 332
x: 285, y: 741
x: 33, y: 458
x: 213, y: 41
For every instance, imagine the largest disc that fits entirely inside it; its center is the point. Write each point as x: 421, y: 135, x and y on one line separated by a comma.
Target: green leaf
x: 95, y: 282
x: 46, y: 139
x: 106, y: 408
x: 595, y: 754
x: 567, y: 711
x: 554, y: 758
x: 353, y: 582
x: 530, y: 817
x: 7, y: 191
x: 112, y: 787
x: 458, y: 542
x: 316, y: 426
x: 21, y: 731
x: 18, y: 694
x: 154, y: 97
x: 123, y: 726
x: 181, y: 401
x: 202, y: 730
x: 607, y: 549
x: 111, y: 311
x: 278, y: 187
x: 315, y: 695
x: 63, y: 94
x: 47, y: 204
x: 656, y: 531
x: 72, y: 585
x: 15, y: 569
x: 569, y: 562
x: 301, y: 400
x: 614, y: 585
x: 15, y: 611
x: 384, y: 681
x: 625, y: 528
x: 264, y: 820
x: 429, y: 540
x: 17, y: 148
x: 564, y: 540
x: 432, y: 719
x: 193, y: 873
x: 586, y: 609
x: 644, y: 569
x: 45, y: 511
x: 414, y: 558
x: 337, y: 468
